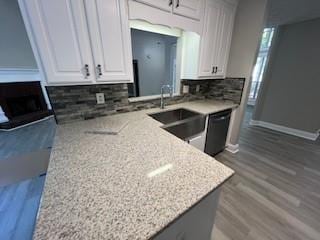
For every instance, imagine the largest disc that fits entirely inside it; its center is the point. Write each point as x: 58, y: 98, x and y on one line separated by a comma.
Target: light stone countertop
x: 106, y: 187
x: 205, y: 107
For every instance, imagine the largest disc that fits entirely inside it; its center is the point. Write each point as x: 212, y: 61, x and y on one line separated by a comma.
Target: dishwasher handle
x: 221, y: 118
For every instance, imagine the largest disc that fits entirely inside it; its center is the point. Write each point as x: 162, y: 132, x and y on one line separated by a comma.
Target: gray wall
x: 15, y: 49
x: 247, y: 34
x: 290, y: 94
x: 152, y: 51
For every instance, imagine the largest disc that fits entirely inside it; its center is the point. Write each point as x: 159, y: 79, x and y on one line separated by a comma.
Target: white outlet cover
x: 185, y: 89
x: 100, y: 98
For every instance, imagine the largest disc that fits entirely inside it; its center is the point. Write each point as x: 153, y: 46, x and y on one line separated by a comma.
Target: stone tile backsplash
x: 227, y: 89
x: 73, y: 103
x: 220, y: 89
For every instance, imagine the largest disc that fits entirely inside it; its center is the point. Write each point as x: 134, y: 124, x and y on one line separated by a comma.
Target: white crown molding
x: 8, y: 75
x: 232, y: 148
x: 283, y: 129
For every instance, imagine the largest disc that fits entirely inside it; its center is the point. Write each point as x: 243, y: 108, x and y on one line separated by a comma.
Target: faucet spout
x: 162, y: 91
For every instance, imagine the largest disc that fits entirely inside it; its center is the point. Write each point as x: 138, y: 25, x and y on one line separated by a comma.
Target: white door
x: 165, y: 5
x: 110, y: 39
x: 225, y: 26
x: 188, y: 8
x: 208, y: 47
x: 61, y: 35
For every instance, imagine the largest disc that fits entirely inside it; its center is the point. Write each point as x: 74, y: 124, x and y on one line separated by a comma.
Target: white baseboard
x: 283, y: 129
x: 232, y: 148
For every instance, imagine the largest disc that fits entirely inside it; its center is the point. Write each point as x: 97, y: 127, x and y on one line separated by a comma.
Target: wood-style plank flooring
x: 19, y: 202
x: 27, y: 139
x: 275, y: 193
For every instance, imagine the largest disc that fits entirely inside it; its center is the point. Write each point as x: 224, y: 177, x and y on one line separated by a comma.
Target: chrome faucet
x: 162, y: 100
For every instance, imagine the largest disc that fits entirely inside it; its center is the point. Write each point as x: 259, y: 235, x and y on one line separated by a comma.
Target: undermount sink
x: 171, y: 116
x: 181, y: 122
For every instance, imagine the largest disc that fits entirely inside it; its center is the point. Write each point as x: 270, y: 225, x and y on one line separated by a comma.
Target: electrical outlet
x: 198, y: 88
x: 100, y: 98
x: 185, y: 89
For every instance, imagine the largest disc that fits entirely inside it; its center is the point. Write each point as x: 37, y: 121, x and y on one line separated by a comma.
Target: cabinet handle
x: 170, y: 2
x: 214, y: 69
x: 99, y: 71
x: 86, y: 71
x: 178, y: 3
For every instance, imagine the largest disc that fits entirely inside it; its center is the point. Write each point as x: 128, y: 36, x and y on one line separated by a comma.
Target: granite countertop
x: 108, y: 186
x: 205, y: 107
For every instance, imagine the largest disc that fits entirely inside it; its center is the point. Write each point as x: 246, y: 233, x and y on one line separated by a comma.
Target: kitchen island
x: 123, y: 177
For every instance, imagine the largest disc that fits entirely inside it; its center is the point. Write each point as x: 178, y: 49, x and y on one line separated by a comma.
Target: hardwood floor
x: 27, y: 139
x: 275, y: 193
x: 19, y: 202
x: 19, y: 205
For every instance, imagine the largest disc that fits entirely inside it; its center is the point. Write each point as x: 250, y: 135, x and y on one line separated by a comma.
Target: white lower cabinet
x: 79, y: 42
x: 198, y: 141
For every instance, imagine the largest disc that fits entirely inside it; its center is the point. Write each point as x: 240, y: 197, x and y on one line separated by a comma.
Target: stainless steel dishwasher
x: 217, y: 132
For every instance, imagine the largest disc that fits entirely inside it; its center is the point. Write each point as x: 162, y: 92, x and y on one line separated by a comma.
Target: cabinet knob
x: 170, y: 2
x: 86, y: 71
x: 178, y: 3
x: 99, y: 71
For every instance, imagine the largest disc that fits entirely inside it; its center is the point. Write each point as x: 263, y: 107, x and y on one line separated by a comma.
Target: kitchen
x: 122, y: 167
x: 114, y: 137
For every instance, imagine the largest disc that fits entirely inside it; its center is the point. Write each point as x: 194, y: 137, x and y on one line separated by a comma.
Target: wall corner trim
x: 232, y: 148
x: 283, y: 129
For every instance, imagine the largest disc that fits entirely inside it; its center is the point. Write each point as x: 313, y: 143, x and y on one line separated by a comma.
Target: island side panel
x: 197, y: 223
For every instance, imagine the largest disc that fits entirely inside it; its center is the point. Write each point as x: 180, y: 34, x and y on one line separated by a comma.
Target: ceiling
x: 291, y: 11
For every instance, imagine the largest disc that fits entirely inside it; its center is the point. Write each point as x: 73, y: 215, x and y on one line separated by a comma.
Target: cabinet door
x: 61, y: 36
x: 110, y: 39
x: 208, y: 44
x: 198, y: 142
x: 165, y: 5
x: 224, y: 36
x: 188, y: 8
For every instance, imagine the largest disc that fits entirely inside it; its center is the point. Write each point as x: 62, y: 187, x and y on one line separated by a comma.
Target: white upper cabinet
x: 183, y: 14
x: 61, y: 35
x: 110, y: 37
x: 209, y: 40
x: 165, y: 5
x: 80, y: 42
x: 211, y: 57
x: 225, y: 28
x: 188, y: 8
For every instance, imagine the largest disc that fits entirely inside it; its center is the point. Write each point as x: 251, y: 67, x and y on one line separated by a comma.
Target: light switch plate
x: 100, y: 98
x: 185, y: 89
